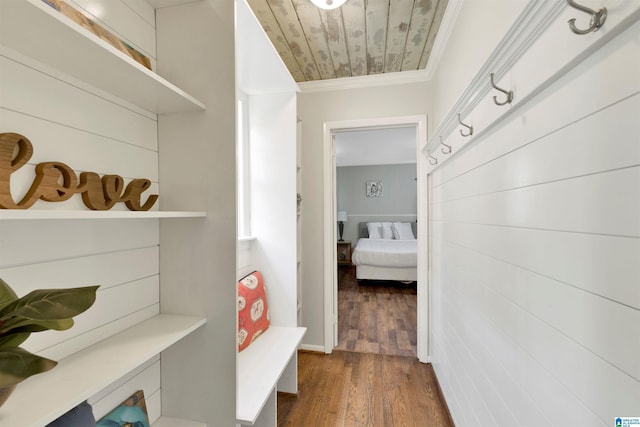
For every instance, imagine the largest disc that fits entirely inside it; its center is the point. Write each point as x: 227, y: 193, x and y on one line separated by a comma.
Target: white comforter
x: 386, y: 253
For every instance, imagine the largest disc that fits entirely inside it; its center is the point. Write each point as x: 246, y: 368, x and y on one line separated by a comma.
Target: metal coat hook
x: 448, y: 147
x: 434, y: 161
x: 467, y: 126
x: 597, y: 18
x: 509, y: 93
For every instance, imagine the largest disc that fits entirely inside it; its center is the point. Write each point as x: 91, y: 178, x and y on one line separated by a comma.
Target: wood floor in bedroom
x: 373, y: 377
x: 376, y: 317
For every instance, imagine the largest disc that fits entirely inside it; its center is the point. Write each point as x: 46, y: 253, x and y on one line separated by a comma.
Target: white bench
x: 260, y: 366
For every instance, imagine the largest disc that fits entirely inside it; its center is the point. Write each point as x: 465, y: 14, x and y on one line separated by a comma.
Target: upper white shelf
x: 22, y: 214
x: 36, y: 30
x: 42, y: 398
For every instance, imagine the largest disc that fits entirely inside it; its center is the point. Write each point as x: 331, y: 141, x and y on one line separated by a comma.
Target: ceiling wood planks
x: 437, y: 20
x: 354, y: 24
x: 316, y: 36
x: 376, y: 15
x: 400, y: 12
x: 421, y: 19
x: 360, y: 38
x: 332, y: 20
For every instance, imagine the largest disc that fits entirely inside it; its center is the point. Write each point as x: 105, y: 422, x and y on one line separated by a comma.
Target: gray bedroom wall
x: 397, y: 203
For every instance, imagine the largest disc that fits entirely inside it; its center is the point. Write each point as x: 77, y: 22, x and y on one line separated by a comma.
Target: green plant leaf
x: 17, y: 364
x: 7, y: 295
x: 18, y: 323
x: 13, y: 339
x: 51, y: 304
x: 18, y: 335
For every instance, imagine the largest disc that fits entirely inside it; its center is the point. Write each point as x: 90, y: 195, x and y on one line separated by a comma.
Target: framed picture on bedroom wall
x: 374, y: 188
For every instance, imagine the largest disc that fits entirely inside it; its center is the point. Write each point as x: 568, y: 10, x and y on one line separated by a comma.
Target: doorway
x: 330, y: 225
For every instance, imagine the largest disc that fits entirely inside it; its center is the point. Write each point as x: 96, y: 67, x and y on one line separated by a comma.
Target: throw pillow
x: 403, y: 231
x: 375, y: 230
x: 253, y: 309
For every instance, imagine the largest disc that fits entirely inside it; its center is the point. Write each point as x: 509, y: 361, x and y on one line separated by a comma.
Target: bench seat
x: 259, y: 368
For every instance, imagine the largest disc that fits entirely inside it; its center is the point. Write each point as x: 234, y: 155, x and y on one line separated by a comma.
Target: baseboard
x: 441, y: 396
x: 285, y: 393
x: 312, y: 348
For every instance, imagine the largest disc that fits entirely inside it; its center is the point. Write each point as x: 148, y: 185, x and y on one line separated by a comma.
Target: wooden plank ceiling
x: 362, y: 37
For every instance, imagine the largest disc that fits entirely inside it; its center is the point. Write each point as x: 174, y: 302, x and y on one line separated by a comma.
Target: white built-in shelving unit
x: 36, y: 31
x: 269, y: 364
x: 81, y: 375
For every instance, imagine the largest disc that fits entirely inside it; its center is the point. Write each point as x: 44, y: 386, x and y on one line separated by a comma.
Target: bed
x: 385, y: 259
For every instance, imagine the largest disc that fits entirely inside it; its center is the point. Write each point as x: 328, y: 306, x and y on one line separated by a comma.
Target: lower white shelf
x: 44, y: 397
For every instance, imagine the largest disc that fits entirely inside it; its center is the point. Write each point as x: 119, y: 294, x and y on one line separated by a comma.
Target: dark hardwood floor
x: 376, y: 317
x: 373, y: 378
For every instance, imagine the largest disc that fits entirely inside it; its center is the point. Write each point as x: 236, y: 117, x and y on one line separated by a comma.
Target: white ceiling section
x: 386, y: 146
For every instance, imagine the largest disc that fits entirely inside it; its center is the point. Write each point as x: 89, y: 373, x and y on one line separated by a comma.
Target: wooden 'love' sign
x: 57, y: 182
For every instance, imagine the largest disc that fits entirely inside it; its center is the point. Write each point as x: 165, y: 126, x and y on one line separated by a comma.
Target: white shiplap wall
x: 535, y: 255
x: 70, y: 122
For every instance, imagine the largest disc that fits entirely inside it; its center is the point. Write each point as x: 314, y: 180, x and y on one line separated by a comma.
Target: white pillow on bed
x: 403, y: 231
x: 375, y: 230
x: 387, y: 230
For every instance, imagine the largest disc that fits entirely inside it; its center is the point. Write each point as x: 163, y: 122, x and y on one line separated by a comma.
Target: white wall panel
x: 603, y: 265
x: 29, y: 242
x: 144, y: 9
x: 597, y: 204
x: 145, y: 378
x: 81, y: 150
x: 535, y: 242
x: 123, y: 21
x: 588, y: 143
x: 111, y: 303
x: 107, y: 269
x: 26, y: 90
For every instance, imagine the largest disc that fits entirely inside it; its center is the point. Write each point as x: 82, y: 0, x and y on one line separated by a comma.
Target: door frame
x: 330, y: 236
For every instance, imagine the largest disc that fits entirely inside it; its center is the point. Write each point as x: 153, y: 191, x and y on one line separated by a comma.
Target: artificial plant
x: 39, y: 310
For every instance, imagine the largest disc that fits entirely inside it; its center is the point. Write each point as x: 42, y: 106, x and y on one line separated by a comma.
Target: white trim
x: 383, y: 215
x: 357, y: 82
x: 311, y: 347
x: 532, y: 22
x: 330, y: 253
x: 329, y: 236
x: 442, y: 38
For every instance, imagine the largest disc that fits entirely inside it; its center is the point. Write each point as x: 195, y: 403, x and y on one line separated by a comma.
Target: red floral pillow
x: 253, y: 310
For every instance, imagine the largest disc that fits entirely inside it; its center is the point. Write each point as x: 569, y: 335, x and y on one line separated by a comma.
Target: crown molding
x: 442, y: 38
x: 357, y: 82
x: 397, y: 78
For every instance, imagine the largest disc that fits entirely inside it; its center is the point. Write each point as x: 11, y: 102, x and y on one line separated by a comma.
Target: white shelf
x: 21, y: 214
x: 44, y: 397
x: 35, y: 29
x: 259, y: 367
